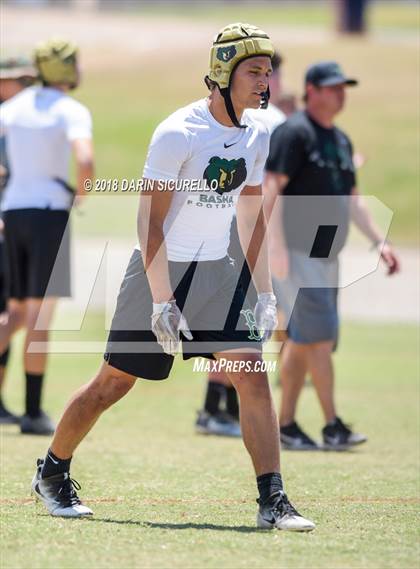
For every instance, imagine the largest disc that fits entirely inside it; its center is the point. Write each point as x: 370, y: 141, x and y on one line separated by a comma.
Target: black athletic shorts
x: 37, y: 253
x: 212, y: 301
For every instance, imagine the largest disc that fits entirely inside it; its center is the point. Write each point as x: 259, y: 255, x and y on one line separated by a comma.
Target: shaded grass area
x: 165, y: 497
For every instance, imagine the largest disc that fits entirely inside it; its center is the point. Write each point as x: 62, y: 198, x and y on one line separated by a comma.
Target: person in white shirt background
x: 43, y: 127
x: 16, y: 73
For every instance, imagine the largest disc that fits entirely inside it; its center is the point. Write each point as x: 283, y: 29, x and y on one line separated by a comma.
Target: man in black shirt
x: 311, y: 187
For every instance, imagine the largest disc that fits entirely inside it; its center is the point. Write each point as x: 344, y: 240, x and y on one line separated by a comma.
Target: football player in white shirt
x: 43, y: 126
x: 180, y: 287
x: 16, y: 73
x: 220, y: 413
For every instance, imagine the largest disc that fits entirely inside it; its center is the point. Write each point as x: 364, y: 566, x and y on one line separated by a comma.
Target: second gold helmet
x: 56, y: 61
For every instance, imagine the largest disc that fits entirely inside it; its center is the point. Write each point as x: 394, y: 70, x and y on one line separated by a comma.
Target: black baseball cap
x: 327, y: 73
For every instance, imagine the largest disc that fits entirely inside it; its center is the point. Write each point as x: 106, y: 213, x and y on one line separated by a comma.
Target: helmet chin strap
x: 265, y: 98
x: 229, y: 107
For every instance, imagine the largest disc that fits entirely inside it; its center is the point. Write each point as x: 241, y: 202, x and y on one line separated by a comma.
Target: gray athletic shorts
x: 211, y: 298
x: 308, y: 299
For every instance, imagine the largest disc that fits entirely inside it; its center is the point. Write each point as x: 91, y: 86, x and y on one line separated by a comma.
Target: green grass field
x: 165, y: 497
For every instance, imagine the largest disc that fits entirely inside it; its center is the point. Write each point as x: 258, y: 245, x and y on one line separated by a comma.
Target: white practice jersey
x: 190, y: 146
x: 271, y: 117
x: 40, y: 124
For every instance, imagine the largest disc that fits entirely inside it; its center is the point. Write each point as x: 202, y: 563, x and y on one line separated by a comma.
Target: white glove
x: 167, y: 322
x: 266, y: 314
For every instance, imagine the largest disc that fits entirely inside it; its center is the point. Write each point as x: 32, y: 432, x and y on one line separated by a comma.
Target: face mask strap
x: 229, y: 107
x: 265, y: 98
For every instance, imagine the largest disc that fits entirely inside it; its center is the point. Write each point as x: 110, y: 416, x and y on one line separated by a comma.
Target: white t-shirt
x: 271, y: 117
x: 191, y: 145
x: 40, y: 124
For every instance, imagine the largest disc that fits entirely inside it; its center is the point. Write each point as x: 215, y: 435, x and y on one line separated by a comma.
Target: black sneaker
x: 41, y: 425
x: 277, y: 512
x: 339, y: 436
x: 59, y: 494
x: 8, y: 418
x: 293, y: 438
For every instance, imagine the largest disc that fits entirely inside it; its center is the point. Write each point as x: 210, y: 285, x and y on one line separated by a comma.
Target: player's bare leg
x: 293, y: 370
x: 38, y: 315
x: 336, y: 435
x: 258, y: 418
x: 6, y: 416
x: 86, y: 406
x: 10, y: 321
x: 220, y: 377
x: 320, y: 365
x: 52, y: 483
x: 280, y: 336
x: 261, y: 437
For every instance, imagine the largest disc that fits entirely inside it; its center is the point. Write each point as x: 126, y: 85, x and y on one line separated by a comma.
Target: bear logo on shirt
x: 228, y: 174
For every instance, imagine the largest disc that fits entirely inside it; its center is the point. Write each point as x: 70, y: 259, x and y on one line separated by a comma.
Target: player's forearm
x: 276, y: 239
x: 253, y: 238
x: 85, y: 165
x: 155, y: 260
x: 85, y: 176
x: 273, y: 187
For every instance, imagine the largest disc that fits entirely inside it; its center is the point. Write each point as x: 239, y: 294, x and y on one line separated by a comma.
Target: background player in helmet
x: 182, y: 264
x: 220, y: 413
x: 42, y: 126
x: 16, y: 74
